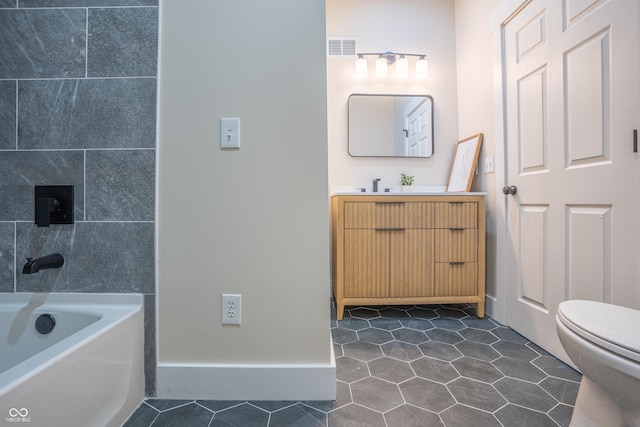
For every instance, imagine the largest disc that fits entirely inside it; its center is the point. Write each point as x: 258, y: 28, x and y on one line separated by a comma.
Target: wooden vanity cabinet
x: 408, y: 249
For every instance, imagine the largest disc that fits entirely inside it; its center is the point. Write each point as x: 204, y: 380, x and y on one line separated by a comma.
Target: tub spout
x: 42, y: 263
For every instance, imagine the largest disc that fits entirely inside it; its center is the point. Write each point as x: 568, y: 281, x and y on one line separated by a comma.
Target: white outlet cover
x: 231, y: 309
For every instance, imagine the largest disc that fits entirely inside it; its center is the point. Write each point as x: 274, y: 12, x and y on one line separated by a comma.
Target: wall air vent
x: 342, y: 47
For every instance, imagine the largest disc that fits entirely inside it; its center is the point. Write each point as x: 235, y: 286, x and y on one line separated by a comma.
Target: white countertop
x: 416, y: 190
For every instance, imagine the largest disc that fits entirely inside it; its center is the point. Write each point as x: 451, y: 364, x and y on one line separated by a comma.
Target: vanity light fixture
x: 381, y: 66
x: 389, y: 58
x: 361, y: 67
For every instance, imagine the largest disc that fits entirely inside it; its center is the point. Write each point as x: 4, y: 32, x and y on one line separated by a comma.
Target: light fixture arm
x: 386, y: 59
x: 390, y: 56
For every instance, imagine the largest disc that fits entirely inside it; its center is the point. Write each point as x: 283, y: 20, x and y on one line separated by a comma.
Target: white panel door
x: 571, y: 88
x: 418, y: 122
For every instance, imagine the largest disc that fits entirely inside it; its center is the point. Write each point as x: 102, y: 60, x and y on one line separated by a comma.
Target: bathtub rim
x: 113, y: 310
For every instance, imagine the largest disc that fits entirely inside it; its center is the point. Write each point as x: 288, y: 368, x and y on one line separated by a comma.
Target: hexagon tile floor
x: 433, y: 365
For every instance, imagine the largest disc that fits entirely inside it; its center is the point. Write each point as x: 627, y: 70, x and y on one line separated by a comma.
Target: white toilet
x: 603, y: 340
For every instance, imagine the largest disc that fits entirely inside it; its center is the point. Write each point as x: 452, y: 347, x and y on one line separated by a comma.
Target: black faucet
x: 375, y: 185
x: 42, y: 263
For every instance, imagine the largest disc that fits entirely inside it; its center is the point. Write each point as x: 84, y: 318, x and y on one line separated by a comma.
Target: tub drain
x: 45, y: 323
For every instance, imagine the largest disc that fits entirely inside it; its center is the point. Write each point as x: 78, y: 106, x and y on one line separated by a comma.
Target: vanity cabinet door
x: 366, y: 263
x: 411, y: 263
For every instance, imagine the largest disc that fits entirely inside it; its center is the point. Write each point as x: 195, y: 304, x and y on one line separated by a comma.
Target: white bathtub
x: 89, y: 371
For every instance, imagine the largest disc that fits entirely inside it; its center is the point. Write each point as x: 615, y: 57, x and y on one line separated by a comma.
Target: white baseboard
x: 491, y: 306
x: 246, y: 382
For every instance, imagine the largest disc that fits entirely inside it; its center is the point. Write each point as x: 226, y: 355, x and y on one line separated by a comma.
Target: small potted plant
x: 407, y: 181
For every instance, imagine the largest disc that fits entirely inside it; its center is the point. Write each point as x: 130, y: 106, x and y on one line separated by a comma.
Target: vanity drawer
x: 456, y: 215
x: 456, y: 279
x: 388, y: 214
x: 456, y: 245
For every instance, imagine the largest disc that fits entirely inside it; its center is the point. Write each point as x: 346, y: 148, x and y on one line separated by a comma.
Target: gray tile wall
x: 78, y: 106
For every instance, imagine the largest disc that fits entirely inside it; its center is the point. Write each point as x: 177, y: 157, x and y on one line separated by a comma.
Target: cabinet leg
x: 339, y: 311
x: 480, y: 310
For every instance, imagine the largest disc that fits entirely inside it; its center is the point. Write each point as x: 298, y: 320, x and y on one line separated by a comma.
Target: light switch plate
x: 489, y: 165
x: 229, y: 132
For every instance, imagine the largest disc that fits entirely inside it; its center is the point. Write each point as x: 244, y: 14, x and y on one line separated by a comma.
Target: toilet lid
x: 610, y: 326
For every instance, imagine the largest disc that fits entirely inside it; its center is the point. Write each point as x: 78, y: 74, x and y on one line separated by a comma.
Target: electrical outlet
x: 231, y: 309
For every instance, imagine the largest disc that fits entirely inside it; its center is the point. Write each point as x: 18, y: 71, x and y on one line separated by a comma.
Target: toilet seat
x: 612, y: 327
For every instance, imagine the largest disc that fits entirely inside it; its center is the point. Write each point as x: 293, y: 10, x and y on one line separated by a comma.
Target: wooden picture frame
x: 465, y: 159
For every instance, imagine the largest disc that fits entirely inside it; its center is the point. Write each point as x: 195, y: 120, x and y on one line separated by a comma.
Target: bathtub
x: 88, y: 371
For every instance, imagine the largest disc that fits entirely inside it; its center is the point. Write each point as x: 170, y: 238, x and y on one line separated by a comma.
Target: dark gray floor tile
x: 354, y: 415
x: 477, y: 369
x: 557, y: 368
x: 426, y: 394
x: 376, y: 394
x: 477, y: 350
x: 410, y: 336
x: 375, y: 336
x: 244, y: 415
x: 343, y: 398
x: 433, y: 369
x: 386, y: 324
x: 191, y: 415
x: 401, y: 351
x: 391, y: 370
x: 353, y: 324
x: 219, y: 405
x: 483, y: 324
x: 272, y: 405
x: 165, y: 404
x: 477, y: 394
x: 541, y: 351
x: 564, y: 391
x: 142, y: 417
x: 515, y: 350
x: 478, y: 335
x: 520, y: 369
x: 417, y: 324
x: 343, y: 336
x: 337, y: 350
x: 508, y: 334
x: 410, y: 416
x: 465, y: 391
x: 451, y: 312
x: 516, y: 416
x: 423, y: 313
x: 361, y: 350
x: 525, y: 394
x: 460, y: 415
x: 448, y: 323
x: 562, y: 414
x: 440, y: 350
x: 364, y: 313
x: 442, y: 335
x: 394, y: 313
x: 350, y: 370
x: 298, y: 416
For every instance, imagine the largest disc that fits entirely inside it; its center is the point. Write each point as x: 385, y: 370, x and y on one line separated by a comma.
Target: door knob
x: 506, y: 190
